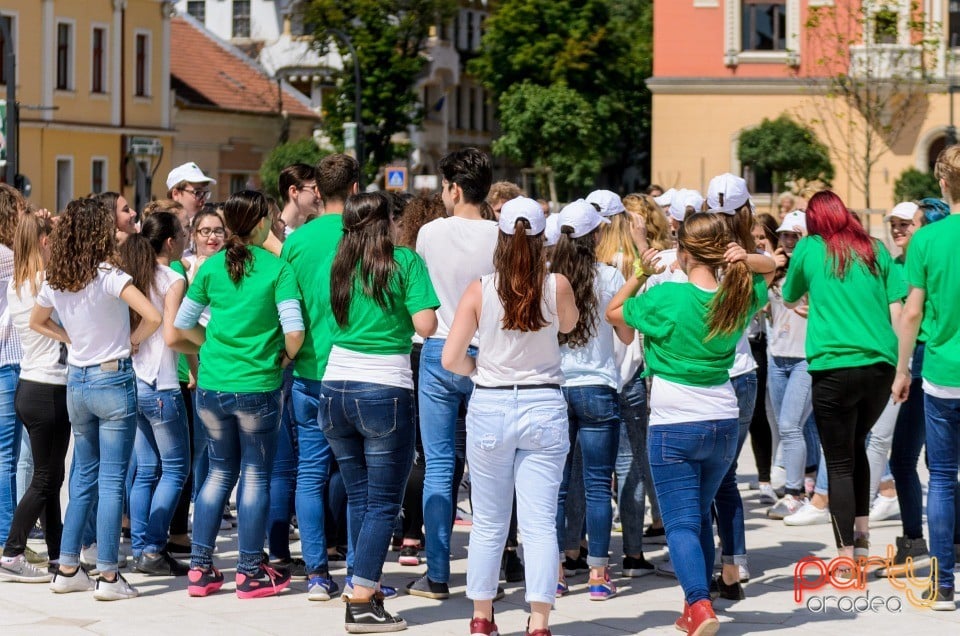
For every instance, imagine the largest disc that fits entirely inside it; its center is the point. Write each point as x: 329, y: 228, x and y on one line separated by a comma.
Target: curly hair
x: 576, y: 259
x: 83, y: 238
x: 417, y: 213
x: 12, y: 205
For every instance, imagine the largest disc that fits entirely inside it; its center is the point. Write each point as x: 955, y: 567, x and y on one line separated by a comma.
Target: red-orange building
x: 721, y: 66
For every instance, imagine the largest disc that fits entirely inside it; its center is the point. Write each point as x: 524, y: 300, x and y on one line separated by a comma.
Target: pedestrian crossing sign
x: 396, y: 178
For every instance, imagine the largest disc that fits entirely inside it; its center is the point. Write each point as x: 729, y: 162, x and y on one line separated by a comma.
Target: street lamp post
x: 357, y: 114
x: 13, y: 124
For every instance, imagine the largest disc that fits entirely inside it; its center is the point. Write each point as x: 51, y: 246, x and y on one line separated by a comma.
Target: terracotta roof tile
x: 221, y: 76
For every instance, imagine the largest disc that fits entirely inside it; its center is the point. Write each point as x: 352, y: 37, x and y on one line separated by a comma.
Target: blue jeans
x: 594, y: 419
x: 729, y: 505
x: 370, y: 430
x: 790, y: 385
x: 943, y: 456
x: 688, y: 462
x: 242, y: 433
x: 162, y: 447
x: 24, y: 465
x: 439, y: 396
x: 283, y: 478
x: 11, y: 432
x: 313, y: 473
x: 103, y: 412
x: 634, y: 480
x: 516, y: 442
x: 909, y: 435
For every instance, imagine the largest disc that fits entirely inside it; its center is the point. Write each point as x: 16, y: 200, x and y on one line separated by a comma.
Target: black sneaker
x: 634, y: 568
x: 511, y: 567
x: 178, y: 548
x: 573, y: 567
x: 371, y: 617
x: 913, y: 549
x: 267, y: 581
x: 942, y: 600
x: 428, y: 589
x: 295, y: 566
x: 161, y: 564
x: 339, y: 555
x: 655, y: 535
x: 728, y: 592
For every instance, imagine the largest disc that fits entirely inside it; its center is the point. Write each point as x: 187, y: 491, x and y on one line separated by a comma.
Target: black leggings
x: 761, y: 439
x: 846, y: 404
x: 43, y: 410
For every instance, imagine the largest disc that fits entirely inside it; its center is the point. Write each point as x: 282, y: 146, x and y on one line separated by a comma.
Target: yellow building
x: 93, y: 81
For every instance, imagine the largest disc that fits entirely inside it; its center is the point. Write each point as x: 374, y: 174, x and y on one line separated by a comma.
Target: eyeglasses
x: 199, y: 195
x: 312, y: 188
x: 207, y: 231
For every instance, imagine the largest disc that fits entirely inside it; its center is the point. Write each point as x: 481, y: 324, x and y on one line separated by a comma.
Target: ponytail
x: 521, y: 270
x: 242, y: 213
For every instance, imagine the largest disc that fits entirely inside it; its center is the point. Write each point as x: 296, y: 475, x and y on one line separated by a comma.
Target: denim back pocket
x: 324, y: 413
x: 548, y: 428
x: 600, y: 406
x: 679, y: 447
x: 376, y: 418
x: 485, y: 426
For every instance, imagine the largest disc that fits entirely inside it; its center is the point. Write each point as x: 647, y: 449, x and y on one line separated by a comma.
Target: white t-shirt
x: 155, y: 363
x: 95, y: 318
x: 673, y: 403
x: 787, y: 330
x: 595, y: 362
x: 457, y: 252
x: 41, y: 355
x: 387, y: 369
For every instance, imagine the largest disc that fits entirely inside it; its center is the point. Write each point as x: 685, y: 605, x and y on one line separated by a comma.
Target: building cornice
x: 755, y: 86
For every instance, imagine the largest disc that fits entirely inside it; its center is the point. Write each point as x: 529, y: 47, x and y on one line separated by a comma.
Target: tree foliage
x: 390, y: 37
x: 598, y: 50
x: 913, y: 185
x: 299, y: 151
x: 787, y: 150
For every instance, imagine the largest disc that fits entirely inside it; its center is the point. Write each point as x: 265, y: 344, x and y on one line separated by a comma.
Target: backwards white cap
x: 522, y: 208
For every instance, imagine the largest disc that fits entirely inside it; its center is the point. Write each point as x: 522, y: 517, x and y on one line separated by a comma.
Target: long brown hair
x: 741, y: 227
x: 84, y: 237
x: 576, y: 259
x: 242, y: 213
x: 704, y: 237
x: 521, y: 269
x: 27, y: 252
x: 365, y: 252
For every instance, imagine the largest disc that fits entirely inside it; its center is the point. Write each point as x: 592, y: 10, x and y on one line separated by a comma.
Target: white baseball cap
x: 189, y: 172
x: 551, y: 234
x: 665, y: 199
x: 681, y: 200
x: 582, y: 217
x: 727, y: 193
x: 794, y: 219
x: 904, y: 211
x: 609, y: 202
x: 522, y: 208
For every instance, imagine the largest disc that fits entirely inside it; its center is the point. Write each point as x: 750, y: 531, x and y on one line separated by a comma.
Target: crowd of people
x: 342, y: 359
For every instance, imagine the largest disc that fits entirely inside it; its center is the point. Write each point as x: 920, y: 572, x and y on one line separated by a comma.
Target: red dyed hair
x: 829, y: 218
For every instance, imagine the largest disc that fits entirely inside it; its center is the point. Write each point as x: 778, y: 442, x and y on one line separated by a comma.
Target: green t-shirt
x: 673, y: 320
x: 371, y: 329
x: 305, y: 250
x: 183, y: 368
x: 932, y: 266
x: 900, y: 263
x: 244, y: 338
x: 849, y: 321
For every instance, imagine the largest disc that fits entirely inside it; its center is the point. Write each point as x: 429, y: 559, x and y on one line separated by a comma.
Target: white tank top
x: 508, y: 357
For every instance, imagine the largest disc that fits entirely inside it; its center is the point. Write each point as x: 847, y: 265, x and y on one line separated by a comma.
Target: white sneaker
x: 116, y: 590
x: 88, y: 558
x: 808, y: 515
x: 884, y: 508
x: 17, y: 569
x: 778, y: 477
x: 76, y: 582
x: 767, y: 496
x: 787, y: 505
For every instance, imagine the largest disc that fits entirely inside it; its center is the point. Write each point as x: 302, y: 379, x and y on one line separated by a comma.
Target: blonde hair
x: 616, y: 246
x: 162, y: 205
x: 658, y: 231
x: 948, y: 169
x: 27, y: 254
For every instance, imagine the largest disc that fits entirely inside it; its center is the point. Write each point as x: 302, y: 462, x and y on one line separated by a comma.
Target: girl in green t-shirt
x: 690, y: 333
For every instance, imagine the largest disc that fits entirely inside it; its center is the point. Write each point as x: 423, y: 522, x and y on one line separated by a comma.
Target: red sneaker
x: 683, y: 623
x: 702, y: 621
x: 483, y: 627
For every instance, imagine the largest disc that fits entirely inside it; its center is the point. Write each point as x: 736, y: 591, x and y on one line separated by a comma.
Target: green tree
x: 913, y: 185
x: 390, y: 37
x: 299, y: 151
x: 786, y: 150
x: 599, y: 49
x: 550, y: 127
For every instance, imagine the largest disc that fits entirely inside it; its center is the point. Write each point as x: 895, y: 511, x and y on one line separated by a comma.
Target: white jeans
x: 878, y: 446
x: 516, y: 439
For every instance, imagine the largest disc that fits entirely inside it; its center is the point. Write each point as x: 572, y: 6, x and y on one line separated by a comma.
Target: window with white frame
x: 11, y: 23
x: 98, y: 60
x: 65, y: 43
x: 241, y: 19
x: 98, y: 175
x: 198, y: 10
x: 64, y: 182
x: 762, y: 31
x: 141, y: 64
